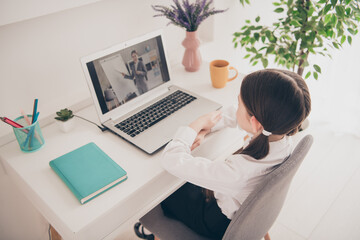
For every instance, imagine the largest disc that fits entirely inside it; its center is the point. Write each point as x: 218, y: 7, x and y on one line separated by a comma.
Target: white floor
x: 324, y: 198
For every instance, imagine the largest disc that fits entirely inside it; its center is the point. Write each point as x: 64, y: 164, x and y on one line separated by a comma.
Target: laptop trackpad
x: 158, y: 135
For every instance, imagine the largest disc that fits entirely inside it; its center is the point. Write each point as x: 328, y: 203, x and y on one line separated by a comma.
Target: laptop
x: 134, y: 95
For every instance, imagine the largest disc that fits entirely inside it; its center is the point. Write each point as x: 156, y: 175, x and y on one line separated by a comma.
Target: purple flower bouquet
x: 187, y: 15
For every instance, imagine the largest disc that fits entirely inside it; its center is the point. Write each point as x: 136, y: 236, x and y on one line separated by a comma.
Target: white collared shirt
x: 231, y: 180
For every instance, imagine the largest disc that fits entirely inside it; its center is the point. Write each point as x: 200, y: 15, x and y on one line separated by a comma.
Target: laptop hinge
x: 170, y: 87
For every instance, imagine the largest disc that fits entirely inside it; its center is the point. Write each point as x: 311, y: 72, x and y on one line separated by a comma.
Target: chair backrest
x: 261, y: 208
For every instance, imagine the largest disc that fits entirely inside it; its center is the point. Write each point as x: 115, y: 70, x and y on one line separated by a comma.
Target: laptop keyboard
x: 151, y: 115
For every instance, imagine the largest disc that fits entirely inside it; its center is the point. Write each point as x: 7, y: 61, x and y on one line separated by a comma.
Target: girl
x: 271, y: 106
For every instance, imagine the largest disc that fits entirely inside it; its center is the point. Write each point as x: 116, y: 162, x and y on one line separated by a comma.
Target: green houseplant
x: 64, y: 121
x: 305, y: 27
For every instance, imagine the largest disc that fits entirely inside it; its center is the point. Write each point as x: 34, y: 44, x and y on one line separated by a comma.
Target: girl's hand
x: 206, y: 122
x: 199, y: 138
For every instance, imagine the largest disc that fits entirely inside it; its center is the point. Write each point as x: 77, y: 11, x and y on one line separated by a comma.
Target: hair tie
x: 266, y: 133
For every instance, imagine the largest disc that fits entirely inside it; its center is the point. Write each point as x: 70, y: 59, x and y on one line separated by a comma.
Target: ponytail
x: 258, y: 148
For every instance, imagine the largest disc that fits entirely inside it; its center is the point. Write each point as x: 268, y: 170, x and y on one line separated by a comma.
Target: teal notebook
x: 88, y: 171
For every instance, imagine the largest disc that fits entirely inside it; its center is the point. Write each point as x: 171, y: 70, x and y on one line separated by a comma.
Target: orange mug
x: 219, y: 73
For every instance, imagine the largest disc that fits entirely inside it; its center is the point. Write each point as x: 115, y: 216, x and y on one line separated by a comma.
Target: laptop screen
x: 123, y: 75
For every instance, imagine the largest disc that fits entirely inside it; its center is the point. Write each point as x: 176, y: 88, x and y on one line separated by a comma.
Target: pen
x: 28, y: 121
x: 25, y: 117
x: 12, y: 123
x: 31, y: 132
x: 34, y: 110
x: 36, y: 117
x: 32, y: 129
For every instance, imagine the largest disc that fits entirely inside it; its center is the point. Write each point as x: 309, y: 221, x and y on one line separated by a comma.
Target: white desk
x: 148, y: 184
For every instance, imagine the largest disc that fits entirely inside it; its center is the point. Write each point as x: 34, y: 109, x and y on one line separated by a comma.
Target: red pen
x: 10, y: 122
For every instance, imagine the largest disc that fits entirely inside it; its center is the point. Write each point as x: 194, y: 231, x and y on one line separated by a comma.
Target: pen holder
x: 29, y: 137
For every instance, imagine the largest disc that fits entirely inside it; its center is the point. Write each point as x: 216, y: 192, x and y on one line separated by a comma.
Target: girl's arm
x: 212, y: 122
x: 228, y: 119
x: 214, y: 175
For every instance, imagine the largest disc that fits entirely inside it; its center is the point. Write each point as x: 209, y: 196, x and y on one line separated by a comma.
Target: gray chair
x: 255, y: 216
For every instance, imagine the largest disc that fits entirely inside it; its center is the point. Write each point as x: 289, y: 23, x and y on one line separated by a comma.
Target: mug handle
x: 232, y: 68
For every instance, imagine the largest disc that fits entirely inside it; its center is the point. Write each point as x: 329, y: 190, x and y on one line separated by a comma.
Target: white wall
x: 12, y: 11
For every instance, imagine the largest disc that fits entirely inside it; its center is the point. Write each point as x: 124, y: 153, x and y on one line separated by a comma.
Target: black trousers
x: 190, y: 206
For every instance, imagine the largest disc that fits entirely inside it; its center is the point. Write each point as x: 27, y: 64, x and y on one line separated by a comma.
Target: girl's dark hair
x: 279, y: 100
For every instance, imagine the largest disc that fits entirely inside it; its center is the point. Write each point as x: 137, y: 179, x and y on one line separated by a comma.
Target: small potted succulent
x: 65, y: 119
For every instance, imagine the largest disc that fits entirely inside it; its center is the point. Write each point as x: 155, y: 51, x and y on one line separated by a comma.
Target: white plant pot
x: 67, y: 125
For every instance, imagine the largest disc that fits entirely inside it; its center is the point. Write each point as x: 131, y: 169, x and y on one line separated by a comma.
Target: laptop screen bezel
x: 139, y: 100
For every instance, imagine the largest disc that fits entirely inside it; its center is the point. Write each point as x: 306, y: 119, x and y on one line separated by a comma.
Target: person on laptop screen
x: 138, y: 73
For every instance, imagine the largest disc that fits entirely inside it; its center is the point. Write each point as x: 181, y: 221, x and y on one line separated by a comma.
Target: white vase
x: 67, y: 125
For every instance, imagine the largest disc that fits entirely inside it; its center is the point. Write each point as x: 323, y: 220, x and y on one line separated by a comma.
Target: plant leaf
x: 307, y: 75
x: 340, y: 10
x: 263, y: 38
x: 315, y: 74
x: 265, y: 62
x: 279, y: 10
x: 343, y: 39
x: 257, y: 19
x: 317, y: 68
x: 349, y: 38
x: 334, y: 20
x: 295, y: 23
x: 327, y: 19
x: 270, y: 49
x: 350, y: 30
x: 327, y: 9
